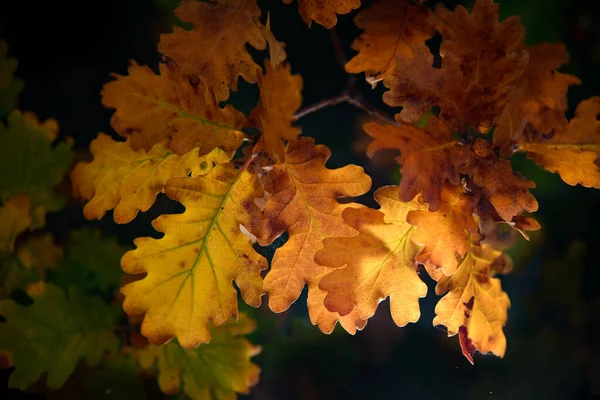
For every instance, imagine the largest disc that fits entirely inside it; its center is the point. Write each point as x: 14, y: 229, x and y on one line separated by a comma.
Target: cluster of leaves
x: 491, y: 96
x: 71, y: 312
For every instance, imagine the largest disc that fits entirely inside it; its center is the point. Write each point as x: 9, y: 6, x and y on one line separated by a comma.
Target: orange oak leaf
x: 391, y: 27
x: 572, y: 152
x: 482, y: 59
x: 190, y: 269
x: 214, y: 50
x: 377, y: 263
x: 506, y: 190
x: 128, y: 180
x: 429, y: 157
x: 445, y: 232
x: 541, y: 100
x: 280, y: 97
x: 324, y: 11
x: 475, y: 306
x: 150, y: 108
x: 303, y: 202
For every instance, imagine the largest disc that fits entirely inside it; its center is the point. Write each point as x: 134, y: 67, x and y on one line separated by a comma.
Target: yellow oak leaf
x: 475, y: 306
x: 190, y: 269
x: 429, y: 156
x: 150, y: 108
x: 303, y: 202
x: 277, y: 54
x: 214, y: 50
x: 506, y: 190
x: 377, y: 263
x: 540, y: 100
x: 324, y: 11
x: 15, y: 218
x: 212, y: 371
x: 128, y: 180
x: 280, y: 97
x: 391, y: 27
x: 573, y: 152
x: 445, y: 232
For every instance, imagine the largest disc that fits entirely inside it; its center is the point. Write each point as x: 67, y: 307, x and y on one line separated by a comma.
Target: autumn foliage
x: 246, y: 180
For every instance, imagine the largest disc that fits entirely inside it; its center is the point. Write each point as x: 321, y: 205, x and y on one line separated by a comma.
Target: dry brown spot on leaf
x: 481, y: 61
x: 572, y: 152
x: 445, y: 232
x: 377, y: 263
x: 214, y: 50
x: 324, y: 11
x: 391, y: 28
x: 506, y: 190
x: 150, y: 108
x: 475, y: 306
x: 280, y: 97
x: 540, y: 100
x: 429, y: 157
x: 303, y: 202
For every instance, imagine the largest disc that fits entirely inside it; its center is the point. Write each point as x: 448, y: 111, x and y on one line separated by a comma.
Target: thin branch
x: 350, y: 95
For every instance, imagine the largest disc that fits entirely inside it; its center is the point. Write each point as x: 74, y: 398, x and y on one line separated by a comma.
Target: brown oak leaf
x: 214, y: 50
x: 324, y: 11
x: 391, y: 28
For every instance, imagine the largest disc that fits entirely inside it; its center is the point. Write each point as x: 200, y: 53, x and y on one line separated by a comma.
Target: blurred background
x: 67, y: 51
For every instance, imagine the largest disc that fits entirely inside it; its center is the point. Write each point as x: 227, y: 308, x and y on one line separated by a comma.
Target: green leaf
x: 35, y: 165
x: 54, y: 333
x: 10, y: 87
x: 216, y: 370
x: 91, y: 262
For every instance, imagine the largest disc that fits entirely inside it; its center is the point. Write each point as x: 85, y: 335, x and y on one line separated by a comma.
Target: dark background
x: 66, y: 52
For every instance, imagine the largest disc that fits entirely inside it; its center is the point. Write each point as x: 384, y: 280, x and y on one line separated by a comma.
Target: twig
x: 350, y: 95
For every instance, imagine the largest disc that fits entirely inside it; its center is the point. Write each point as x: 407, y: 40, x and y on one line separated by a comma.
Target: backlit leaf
x: 391, y: 28
x: 430, y: 157
x: 214, y: 50
x: 475, y: 306
x: 324, y: 11
x: 190, y: 269
x: 572, y: 152
x: 377, y: 263
x: 445, y: 232
x: 150, y: 108
x: 212, y: 371
x: 129, y: 180
x: 280, y: 97
x: 303, y: 202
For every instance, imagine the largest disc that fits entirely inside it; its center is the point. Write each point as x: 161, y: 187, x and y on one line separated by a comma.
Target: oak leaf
x: 391, y: 28
x: 214, y: 50
x: 506, y: 190
x: 445, y: 232
x: 429, y: 156
x: 475, y: 306
x: 540, y: 100
x: 36, y: 163
x: 190, y: 269
x: 150, y: 108
x: 324, y: 11
x: 54, y: 333
x: 303, y: 202
x: 573, y: 152
x: 129, y: 180
x: 482, y: 60
x: 377, y: 263
x: 280, y: 97
x: 216, y: 370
